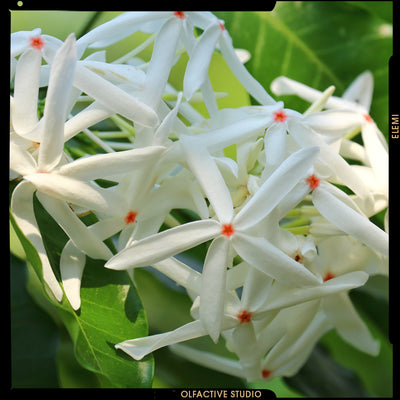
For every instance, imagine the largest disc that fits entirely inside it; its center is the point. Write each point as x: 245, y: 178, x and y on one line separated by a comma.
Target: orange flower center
x: 312, y: 181
x: 227, y: 230
x: 130, y: 217
x: 244, y: 316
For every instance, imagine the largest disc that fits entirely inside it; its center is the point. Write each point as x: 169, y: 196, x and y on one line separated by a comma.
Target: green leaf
x: 34, y: 336
x: 319, y: 44
x: 111, y: 312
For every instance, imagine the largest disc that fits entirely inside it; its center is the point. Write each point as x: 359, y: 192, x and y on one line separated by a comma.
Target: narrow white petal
x: 341, y: 312
x: 207, y: 173
x: 91, y: 115
x: 255, y: 289
x: 76, y: 192
x: 57, y: 102
x: 22, y: 209
x: 164, y: 244
x: 360, y: 90
x: 267, y: 258
x: 334, y: 123
x: 283, y: 85
x: 377, y: 152
x: 197, y: 68
x: 140, y: 347
x: 213, y: 286
x: 161, y: 61
x: 161, y: 135
x: 103, y: 165
x: 72, y: 264
x: 275, y: 145
x: 114, y: 98
x: 119, y: 27
x: 26, y: 89
x: 21, y: 160
x: 81, y: 236
x: 350, y: 221
x: 341, y: 283
x: 209, y: 360
x: 276, y: 187
x: 241, y: 73
x: 180, y: 273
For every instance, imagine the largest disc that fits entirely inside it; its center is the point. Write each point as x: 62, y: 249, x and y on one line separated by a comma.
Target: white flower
x: 228, y: 231
x: 59, y: 182
x: 355, y: 103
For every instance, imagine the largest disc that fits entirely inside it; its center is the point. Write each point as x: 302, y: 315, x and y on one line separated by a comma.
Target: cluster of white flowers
x: 287, y: 221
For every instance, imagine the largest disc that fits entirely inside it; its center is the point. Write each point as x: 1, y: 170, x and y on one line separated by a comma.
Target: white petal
x: 350, y: 221
x: 377, y: 152
x: 161, y: 135
x: 334, y: 123
x: 199, y: 62
x: 283, y: 85
x: 81, y: 236
x: 57, y: 102
x: 76, y: 192
x: 360, y: 90
x: 164, y: 244
x: 241, y: 73
x: 161, y: 61
x: 341, y: 283
x: 209, y: 360
x: 181, y: 273
x: 140, y: 347
x: 84, y: 119
x: 114, y: 98
x: 103, y: 165
x: 213, y: 286
x: 72, y: 264
x: 267, y: 258
x: 341, y: 312
x: 275, y: 145
x: 21, y: 161
x: 276, y: 187
x: 26, y: 89
x: 22, y: 209
x: 255, y: 289
x: 207, y: 173
x: 119, y: 27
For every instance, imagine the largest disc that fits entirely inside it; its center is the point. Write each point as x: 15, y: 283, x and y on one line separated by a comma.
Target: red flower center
x: 328, y: 276
x: 367, y: 118
x: 227, y: 230
x: 280, y: 116
x: 312, y: 181
x: 180, y: 14
x: 36, y: 43
x: 266, y: 373
x: 244, y: 316
x: 130, y: 217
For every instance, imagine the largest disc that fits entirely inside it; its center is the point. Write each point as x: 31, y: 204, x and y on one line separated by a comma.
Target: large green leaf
x: 319, y: 43
x: 111, y: 312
